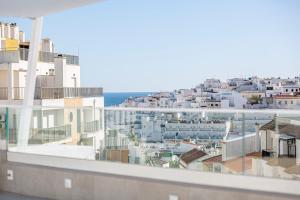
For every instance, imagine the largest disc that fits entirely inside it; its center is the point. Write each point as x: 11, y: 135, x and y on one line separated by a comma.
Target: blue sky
x: 160, y: 45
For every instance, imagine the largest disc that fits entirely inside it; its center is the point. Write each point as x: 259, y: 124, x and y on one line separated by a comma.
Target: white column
x: 26, y: 112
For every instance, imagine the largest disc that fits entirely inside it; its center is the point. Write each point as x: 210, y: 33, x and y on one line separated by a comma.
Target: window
x: 292, y: 102
x: 279, y: 102
x: 286, y: 90
x: 286, y: 102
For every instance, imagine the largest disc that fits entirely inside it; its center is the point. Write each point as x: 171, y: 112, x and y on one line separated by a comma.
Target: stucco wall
x: 49, y: 183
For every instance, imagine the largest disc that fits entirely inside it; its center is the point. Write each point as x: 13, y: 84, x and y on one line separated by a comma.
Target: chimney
x: 47, y: 45
x: 14, y: 31
x: 22, y: 36
x: 6, y: 31
x: 1, y: 30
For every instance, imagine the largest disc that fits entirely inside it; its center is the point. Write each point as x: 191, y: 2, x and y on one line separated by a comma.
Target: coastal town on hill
x: 237, y: 93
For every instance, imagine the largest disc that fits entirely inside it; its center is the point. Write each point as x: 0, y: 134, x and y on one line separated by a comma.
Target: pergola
x: 34, y: 10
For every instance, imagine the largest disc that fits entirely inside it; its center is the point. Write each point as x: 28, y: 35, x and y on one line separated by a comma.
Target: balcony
x: 41, y: 135
x: 195, y: 156
x: 14, y: 56
x: 52, y: 93
x: 133, y: 153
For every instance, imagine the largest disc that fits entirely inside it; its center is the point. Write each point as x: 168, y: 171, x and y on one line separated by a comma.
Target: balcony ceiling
x: 38, y: 8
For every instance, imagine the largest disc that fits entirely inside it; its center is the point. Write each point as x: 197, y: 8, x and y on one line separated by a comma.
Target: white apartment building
x: 286, y: 101
x: 58, y: 90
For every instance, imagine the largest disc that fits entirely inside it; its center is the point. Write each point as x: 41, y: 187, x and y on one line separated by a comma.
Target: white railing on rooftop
x: 14, y: 56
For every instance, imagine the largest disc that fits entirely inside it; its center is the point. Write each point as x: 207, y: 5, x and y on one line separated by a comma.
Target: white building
x: 76, y: 113
x: 286, y: 101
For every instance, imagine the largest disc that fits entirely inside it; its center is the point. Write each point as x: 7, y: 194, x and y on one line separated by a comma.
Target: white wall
x: 66, y: 74
x: 234, y: 148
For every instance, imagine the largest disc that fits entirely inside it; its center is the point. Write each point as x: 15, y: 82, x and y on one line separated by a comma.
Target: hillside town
x: 260, y: 144
x: 237, y: 93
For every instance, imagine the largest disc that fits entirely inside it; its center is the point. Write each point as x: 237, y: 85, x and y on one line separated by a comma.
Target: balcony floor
x: 11, y: 196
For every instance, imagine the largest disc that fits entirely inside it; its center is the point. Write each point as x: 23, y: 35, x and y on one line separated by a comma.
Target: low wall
x: 49, y: 183
x: 235, y: 148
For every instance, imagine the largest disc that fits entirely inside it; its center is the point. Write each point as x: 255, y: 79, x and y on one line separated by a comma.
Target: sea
x: 115, y: 98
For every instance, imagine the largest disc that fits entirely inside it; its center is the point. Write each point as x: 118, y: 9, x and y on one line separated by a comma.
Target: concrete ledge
x: 248, y: 183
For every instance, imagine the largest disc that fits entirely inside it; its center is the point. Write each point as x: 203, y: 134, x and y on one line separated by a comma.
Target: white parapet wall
x: 239, y: 146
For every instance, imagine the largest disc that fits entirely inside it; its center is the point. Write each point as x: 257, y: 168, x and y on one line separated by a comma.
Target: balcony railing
x: 59, y: 93
x: 91, y: 127
x: 250, y: 142
x: 14, y: 56
x: 49, y: 135
x: 3, y: 93
x: 9, y: 56
x: 52, y: 93
x: 40, y: 135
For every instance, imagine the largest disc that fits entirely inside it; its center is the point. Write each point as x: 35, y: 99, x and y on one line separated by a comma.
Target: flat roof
x: 38, y: 8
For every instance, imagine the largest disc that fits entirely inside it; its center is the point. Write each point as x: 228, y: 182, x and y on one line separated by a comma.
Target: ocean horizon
x: 116, y: 98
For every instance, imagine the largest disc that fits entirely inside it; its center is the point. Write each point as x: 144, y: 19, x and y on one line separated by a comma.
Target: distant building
x: 286, y: 101
x: 192, y: 158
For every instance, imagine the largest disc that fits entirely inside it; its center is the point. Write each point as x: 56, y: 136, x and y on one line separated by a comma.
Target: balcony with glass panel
x: 72, y: 147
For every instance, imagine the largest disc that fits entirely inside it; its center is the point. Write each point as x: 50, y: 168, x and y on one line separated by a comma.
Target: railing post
x: 243, y: 144
x: 6, y: 127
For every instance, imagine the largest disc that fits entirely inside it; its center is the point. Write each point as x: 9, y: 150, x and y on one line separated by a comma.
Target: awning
x: 38, y: 8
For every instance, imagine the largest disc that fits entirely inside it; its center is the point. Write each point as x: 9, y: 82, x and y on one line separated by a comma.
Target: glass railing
x: 57, y: 131
x: 17, y: 93
x: 244, y: 142
x: 16, y: 54
x: 9, y: 55
x: 3, y: 93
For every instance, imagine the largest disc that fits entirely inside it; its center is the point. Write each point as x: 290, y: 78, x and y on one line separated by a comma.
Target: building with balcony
x: 58, y: 92
x: 54, y: 143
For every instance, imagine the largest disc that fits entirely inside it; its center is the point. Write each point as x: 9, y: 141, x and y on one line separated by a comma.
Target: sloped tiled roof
x: 192, y: 155
x: 214, y: 159
x: 288, y: 129
x: 271, y: 126
x: 292, y: 130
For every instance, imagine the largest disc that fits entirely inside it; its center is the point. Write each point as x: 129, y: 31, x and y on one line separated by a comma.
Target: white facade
x: 74, y: 112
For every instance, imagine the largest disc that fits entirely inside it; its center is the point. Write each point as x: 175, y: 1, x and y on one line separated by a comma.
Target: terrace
x: 49, y: 155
